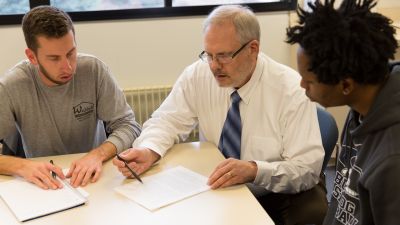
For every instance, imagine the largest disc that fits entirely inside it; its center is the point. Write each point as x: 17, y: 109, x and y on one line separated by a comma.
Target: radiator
x: 144, y: 100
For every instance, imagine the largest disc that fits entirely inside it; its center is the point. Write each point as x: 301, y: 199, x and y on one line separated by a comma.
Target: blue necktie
x: 229, y: 142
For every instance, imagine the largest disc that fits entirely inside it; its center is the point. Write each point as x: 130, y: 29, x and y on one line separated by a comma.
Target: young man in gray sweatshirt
x: 57, y: 101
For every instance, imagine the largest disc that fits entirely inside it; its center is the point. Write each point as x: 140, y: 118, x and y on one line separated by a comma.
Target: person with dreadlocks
x: 343, y: 59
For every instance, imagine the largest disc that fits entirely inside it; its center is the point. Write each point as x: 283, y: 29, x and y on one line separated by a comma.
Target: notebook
x: 27, y: 201
x: 164, y: 188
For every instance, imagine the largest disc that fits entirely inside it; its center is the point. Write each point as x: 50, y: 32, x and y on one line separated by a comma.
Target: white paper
x: 28, y: 201
x: 164, y: 188
x: 79, y: 189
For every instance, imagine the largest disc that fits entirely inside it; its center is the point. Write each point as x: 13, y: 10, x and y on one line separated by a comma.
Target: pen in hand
x: 52, y: 172
x: 129, y: 168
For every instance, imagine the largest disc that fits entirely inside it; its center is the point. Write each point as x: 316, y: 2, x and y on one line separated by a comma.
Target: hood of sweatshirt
x: 385, y: 110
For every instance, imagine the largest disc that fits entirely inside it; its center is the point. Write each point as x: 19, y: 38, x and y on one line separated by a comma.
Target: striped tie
x: 229, y: 142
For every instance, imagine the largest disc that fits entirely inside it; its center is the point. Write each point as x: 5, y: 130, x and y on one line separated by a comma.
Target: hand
x: 86, y: 169
x: 232, y: 171
x: 139, y: 159
x: 39, y: 173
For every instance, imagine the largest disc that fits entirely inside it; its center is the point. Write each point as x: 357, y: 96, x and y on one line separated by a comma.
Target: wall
x: 154, y: 51
x: 149, y: 51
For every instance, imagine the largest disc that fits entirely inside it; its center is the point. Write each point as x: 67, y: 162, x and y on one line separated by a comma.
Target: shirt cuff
x: 264, y: 173
x: 117, y: 142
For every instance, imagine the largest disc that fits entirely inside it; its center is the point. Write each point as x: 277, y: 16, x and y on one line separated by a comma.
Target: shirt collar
x: 246, y: 90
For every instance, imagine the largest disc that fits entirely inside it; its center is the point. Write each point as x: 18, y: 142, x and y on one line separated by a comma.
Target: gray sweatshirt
x: 67, y: 118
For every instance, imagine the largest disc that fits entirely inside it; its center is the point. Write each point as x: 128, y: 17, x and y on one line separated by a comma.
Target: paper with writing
x: 165, y: 188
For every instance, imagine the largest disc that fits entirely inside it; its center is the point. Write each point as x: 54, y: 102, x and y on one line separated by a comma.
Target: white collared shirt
x: 280, y: 130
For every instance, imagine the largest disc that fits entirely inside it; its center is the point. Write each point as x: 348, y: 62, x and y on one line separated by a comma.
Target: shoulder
x: 198, y: 73
x: 281, y: 80
x: 279, y: 73
x: 19, y: 77
x: 89, y: 62
x: 90, y: 67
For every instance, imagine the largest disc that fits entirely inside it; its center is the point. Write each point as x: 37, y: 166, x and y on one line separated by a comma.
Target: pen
x: 52, y: 172
x: 132, y: 172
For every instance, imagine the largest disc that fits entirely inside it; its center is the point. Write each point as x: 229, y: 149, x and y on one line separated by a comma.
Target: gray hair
x: 242, y: 17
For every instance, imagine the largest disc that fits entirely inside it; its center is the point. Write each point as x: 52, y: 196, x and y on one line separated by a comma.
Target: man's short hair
x: 245, y: 22
x: 348, y: 42
x: 47, y: 21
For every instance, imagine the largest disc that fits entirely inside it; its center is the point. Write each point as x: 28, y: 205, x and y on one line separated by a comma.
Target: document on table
x: 27, y: 201
x: 165, y: 188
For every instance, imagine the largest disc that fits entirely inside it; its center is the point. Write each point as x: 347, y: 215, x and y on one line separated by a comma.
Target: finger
x: 223, y: 181
x: 86, y: 177
x: 231, y: 179
x: 131, y: 154
x: 126, y: 153
x: 49, y: 169
x: 74, y: 174
x: 48, y: 180
x: 214, y: 177
x: 96, y: 175
x: 54, y: 180
x: 39, y: 183
x: 118, y: 163
x: 79, y: 178
x: 127, y: 174
x: 58, y: 171
x: 124, y: 170
x: 217, y: 174
x: 219, y: 166
x: 71, y: 170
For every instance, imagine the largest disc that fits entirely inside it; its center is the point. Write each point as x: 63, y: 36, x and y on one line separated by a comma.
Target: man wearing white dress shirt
x: 280, y: 153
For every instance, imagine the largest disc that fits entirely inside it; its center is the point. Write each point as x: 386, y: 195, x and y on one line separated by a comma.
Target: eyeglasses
x: 223, y: 58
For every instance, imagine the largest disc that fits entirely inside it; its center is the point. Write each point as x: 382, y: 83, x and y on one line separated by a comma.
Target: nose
x: 66, y: 64
x: 303, y: 84
x: 214, y: 64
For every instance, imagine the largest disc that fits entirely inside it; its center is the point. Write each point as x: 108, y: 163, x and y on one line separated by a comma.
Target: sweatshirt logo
x: 83, y: 110
x: 345, y: 186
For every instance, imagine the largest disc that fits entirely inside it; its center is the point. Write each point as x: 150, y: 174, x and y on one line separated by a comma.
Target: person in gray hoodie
x: 343, y: 59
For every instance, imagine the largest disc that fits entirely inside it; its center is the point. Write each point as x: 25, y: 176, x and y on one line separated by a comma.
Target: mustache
x: 219, y: 73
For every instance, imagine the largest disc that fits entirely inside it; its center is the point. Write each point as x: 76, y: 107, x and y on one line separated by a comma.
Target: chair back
x: 329, y: 133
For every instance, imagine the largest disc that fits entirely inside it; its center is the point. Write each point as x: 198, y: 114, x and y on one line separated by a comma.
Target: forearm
x: 285, y: 176
x: 11, y: 165
x: 124, y: 131
x: 105, y: 151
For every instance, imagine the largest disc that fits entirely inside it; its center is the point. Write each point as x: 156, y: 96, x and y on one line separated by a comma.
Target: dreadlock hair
x: 348, y: 42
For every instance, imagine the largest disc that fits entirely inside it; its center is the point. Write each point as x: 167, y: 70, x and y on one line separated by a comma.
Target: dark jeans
x: 307, y: 207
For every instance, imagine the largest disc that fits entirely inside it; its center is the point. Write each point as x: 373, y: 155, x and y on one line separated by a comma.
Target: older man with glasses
x: 253, y: 109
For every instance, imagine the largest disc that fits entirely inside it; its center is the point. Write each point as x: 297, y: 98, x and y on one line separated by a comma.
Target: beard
x: 48, y: 76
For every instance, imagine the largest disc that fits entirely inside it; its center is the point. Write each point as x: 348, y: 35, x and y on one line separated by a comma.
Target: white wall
x: 154, y: 51
x: 149, y: 51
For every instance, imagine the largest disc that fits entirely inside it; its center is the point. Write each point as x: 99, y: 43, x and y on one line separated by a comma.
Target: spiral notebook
x: 27, y: 201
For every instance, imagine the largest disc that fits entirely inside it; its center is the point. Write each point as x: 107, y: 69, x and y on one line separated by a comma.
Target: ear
x: 31, y: 56
x: 254, y: 46
x: 347, y: 86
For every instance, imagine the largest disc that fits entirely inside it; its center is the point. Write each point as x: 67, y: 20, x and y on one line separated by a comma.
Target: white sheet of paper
x: 165, y: 188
